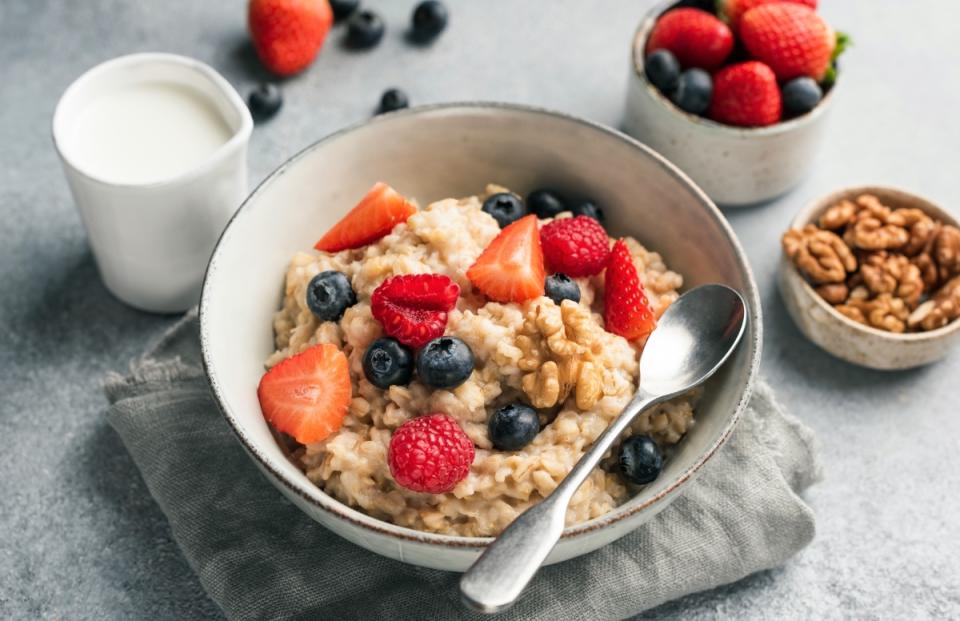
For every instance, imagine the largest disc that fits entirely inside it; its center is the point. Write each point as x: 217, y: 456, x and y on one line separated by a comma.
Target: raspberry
x: 575, y: 246
x: 627, y: 310
x: 413, y: 308
x: 430, y: 454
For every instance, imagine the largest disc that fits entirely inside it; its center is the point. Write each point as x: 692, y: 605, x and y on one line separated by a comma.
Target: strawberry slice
x: 307, y: 395
x: 627, y: 310
x: 374, y: 216
x: 413, y: 308
x: 510, y: 269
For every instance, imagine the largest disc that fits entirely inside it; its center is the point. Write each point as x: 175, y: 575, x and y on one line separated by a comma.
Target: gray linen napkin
x: 259, y: 557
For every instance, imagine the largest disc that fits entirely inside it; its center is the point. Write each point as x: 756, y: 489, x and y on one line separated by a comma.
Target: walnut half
x: 821, y: 255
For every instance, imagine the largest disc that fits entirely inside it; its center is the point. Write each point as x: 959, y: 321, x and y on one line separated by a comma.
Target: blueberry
x: 640, y: 459
x: 393, y: 99
x: 264, y: 101
x: 800, y: 96
x: 589, y: 209
x: 343, y: 8
x: 694, y: 91
x: 545, y: 203
x: 560, y: 287
x: 329, y: 294
x: 663, y: 70
x: 445, y: 362
x: 365, y: 29
x: 505, y: 208
x: 387, y: 362
x: 513, y: 426
x: 429, y: 20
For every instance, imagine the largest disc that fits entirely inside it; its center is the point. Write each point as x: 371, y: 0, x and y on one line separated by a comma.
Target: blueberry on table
x: 560, y: 287
x: 590, y: 210
x: 513, y: 426
x: 343, y: 8
x: 545, y: 203
x: 663, y: 70
x: 329, y: 294
x: 640, y: 459
x: 429, y: 20
x: 386, y: 363
x: 445, y: 362
x: 504, y: 207
x: 393, y: 99
x: 694, y: 91
x: 264, y: 101
x: 364, y: 30
x: 800, y: 95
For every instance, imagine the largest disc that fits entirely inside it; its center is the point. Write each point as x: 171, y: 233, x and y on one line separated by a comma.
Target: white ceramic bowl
x: 843, y: 337
x: 454, y: 150
x: 735, y: 166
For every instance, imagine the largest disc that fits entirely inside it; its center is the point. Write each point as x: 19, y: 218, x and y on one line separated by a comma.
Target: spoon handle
x: 501, y: 573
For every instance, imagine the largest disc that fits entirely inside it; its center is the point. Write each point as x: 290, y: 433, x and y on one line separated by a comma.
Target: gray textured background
x: 80, y: 536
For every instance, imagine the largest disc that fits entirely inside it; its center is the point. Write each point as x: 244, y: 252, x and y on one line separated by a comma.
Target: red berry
x: 413, y: 308
x: 430, y: 454
x: 575, y: 246
x: 746, y: 94
x: 375, y: 215
x: 733, y: 10
x: 510, y: 269
x: 307, y: 395
x: 791, y: 38
x: 696, y: 38
x: 626, y: 309
x: 287, y: 34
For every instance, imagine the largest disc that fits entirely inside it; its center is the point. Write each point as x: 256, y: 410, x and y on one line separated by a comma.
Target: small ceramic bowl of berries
x: 734, y: 92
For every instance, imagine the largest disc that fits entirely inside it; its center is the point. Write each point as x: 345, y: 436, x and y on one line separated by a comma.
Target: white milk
x: 146, y: 132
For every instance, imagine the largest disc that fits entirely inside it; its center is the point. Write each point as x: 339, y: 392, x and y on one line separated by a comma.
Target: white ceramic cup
x: 152, y: 240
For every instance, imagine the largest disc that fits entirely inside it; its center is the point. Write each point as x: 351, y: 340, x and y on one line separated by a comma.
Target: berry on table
x: 264, y: 101
x: 364, y: 30
x: 393, y: 99
x: 429, y: 20
x: 511, y: 269
x: 590, y: 210
x: 343, y: 8
x: 575, y: 246
x: 800, y: 95
x: 329, y: 294
x: 545, y: 203
x: 694, y: 91
x: 412, y: 308
x: 445, y: 362
x: 560, y: 287
x: 745, y: 94
x: 386, y: 363
x: 640, y: 459
x: 374, y: 216
x: 695, y: 37
x: 287, y: 34
x: 513, y: 426
x: 504, y: 207
x: 626, y: 309
x: 790, y: 38
x: 662, y: 70
x: 430, y: 454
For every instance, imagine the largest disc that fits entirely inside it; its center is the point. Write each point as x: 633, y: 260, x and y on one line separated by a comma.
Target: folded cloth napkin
x: 259, y: 557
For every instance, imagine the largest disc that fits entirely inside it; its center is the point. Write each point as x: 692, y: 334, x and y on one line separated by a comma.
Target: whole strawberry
x: 287, y: 34
x: 695, y: 37
x: 746, y: 94
x: 430, y: 454
x: 733, y: 10
x: 790, y: 38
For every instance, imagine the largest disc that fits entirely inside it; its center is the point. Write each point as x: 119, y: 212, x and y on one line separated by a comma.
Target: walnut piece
x: 885, y: 312
x: 939, y: 310
x: 892, y: 273
x: 946, y: 252
x: 872, y: 227
x: 821, y: 255
x: 919, y: 226
x: 839, y: 215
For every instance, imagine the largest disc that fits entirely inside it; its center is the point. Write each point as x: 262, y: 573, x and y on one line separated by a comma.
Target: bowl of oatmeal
x: 418, y: 325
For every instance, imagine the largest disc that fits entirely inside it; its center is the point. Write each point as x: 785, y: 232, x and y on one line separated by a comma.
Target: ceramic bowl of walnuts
x: 872, y: 275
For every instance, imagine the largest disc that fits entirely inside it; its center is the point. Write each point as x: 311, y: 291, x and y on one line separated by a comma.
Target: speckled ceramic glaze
x: 454, y: 150
x: 843, y: 337
x: 734, y: 166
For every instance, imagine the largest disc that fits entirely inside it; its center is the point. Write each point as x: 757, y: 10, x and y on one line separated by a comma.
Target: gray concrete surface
x: 79, y: 535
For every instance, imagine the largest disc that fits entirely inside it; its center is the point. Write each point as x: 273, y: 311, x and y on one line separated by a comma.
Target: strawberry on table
x: 511, y: 269
x: 746, y: 94
x: 790, y: 38
x: 413, y: 308
x: 626, y: 309
x: 695, y: 37
x: 374, y: 216
x: 307, y: 395
x: 287, y: 34
x: 733, y: 10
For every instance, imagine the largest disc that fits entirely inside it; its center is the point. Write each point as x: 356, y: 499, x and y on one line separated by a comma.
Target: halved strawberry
x: 413, y: 308
x: 626, y: 310
x: 374, y: 216
x: 307, y: 395
x: 510, y: 269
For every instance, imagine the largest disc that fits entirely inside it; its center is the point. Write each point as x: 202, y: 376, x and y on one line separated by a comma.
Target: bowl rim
x: 637, y: 59
x: 815, y: 207
x: 319, y: 499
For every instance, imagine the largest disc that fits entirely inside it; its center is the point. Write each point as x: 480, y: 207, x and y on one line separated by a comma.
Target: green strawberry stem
x: 830, y: 77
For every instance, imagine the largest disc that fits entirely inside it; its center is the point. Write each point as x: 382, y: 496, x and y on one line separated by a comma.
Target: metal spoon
x: 694, y: 338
